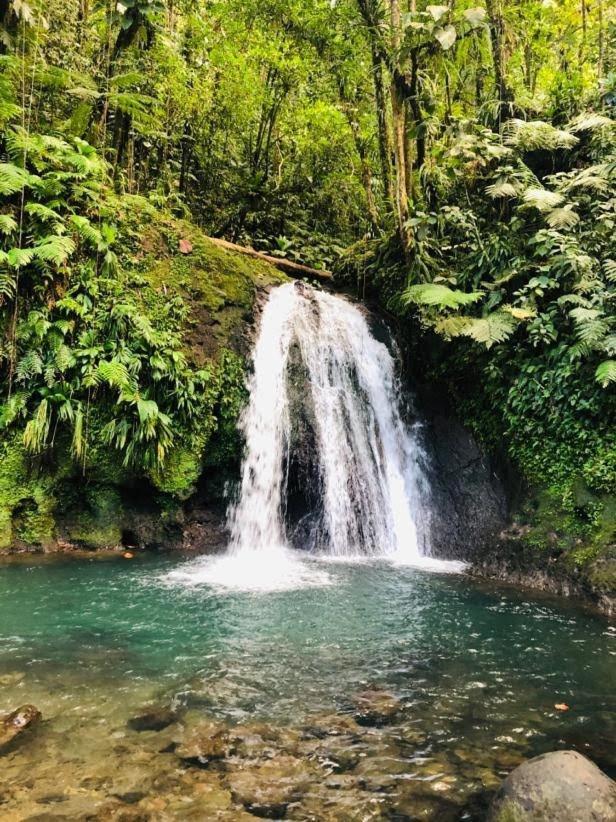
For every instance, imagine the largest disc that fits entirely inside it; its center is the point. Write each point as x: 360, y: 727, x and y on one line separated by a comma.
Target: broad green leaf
x: 436, y: 12
x: 475, y: 16
x: 446, y: 37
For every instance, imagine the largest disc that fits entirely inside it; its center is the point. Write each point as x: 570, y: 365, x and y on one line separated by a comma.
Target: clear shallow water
x: 475, y: 669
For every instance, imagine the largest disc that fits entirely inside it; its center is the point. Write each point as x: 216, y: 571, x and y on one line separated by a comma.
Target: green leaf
x: 446, y: 37
x: 436, y: 12
x: 475, y: 16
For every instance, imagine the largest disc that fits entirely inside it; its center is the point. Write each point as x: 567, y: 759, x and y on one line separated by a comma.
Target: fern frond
x: 43, y: 212
x: 438, y: 295
x: 8, y: 224
x: 449, y: 327
x: 534, y: 135
x: 606, y: 373
x: 113, y: 373
x: 609, y: 266
x: 589, y: 122
x: 501, y: 188
x: 19, y: 257
x: 55, y: 249
x: 495, y: 328
x: 563, y: 217
x: 28, y: 366
x: 12, y: 179
x: 542, y: 199
x: 86, y: 230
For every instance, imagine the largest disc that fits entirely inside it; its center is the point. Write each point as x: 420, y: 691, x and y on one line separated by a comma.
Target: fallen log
x: 295, y: 270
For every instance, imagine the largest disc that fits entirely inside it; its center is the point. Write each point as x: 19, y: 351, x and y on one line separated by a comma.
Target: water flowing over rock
x: 330, y: 464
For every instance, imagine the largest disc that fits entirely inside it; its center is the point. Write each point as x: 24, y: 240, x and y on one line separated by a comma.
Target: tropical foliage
x: 465, y: 154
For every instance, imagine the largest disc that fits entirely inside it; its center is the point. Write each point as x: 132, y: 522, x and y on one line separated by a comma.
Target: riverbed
x: 359, y: 690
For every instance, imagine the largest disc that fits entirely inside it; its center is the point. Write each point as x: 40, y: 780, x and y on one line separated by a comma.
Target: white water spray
x: 316, y: 351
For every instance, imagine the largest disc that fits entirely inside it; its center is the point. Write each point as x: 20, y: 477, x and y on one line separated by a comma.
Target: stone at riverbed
x: 207, y: 742
x: 15, y: 723
x: 269, y: 787
x: 153, y: 719
x: 376, y: 707
x: 562, y: 786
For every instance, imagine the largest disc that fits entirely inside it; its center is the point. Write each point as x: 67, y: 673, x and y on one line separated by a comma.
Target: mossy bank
x: 171, y: 284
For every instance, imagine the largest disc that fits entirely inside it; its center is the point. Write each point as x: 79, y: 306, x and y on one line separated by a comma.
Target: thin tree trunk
x: 399, y: 128
x: 496, y: 27
x: 384, y: 134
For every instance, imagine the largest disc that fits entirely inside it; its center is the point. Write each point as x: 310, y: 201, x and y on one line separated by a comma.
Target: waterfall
x: 318, y: 367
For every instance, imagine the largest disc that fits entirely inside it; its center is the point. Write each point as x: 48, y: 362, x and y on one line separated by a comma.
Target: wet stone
x: 208, y: 742
x: 153, y: 719
x: 266, y: 789
x: 14, y: 724
x: 376, y: 707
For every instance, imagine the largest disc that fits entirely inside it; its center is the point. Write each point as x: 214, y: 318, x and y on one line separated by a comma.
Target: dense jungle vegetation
x: 456, y: 163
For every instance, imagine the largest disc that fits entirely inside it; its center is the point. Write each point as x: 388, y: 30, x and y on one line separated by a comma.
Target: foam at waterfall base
x: 266, y: 570
x: 283, y: 569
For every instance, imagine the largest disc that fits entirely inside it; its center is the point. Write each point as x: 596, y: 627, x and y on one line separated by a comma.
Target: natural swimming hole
x: 379, y: 691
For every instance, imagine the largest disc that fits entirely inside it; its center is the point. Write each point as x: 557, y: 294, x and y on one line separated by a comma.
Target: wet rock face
x: 468, y: 499
x: 15, y: 723
x: 562, y: 786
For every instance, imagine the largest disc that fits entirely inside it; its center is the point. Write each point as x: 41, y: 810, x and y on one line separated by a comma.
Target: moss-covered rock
x: 27, y: 499
x: 204, y: 295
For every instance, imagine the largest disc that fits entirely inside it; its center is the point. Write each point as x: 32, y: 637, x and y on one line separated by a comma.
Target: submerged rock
x: 15, y: 723
x: 376, y: 707
x: 562, y: 786
x: 269, y: 787
x: 153, y: 719
x: 207, y: 742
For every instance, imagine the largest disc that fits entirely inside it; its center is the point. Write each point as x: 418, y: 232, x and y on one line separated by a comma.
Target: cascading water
x: 370, y: 483
x: 324, y: 395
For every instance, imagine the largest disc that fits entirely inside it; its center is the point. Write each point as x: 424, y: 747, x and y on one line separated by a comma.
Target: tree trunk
x: 384, y: 134
x: 399, y: 128
x: 496, y: 27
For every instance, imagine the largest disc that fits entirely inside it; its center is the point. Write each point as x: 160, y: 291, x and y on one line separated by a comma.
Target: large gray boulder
x: 562, y: 786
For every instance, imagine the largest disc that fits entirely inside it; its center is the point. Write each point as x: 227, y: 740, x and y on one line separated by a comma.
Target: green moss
x: 27, y: 498
x: 96, y: 521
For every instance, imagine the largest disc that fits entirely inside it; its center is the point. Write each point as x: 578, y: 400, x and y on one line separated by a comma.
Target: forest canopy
x: 455, y: 163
